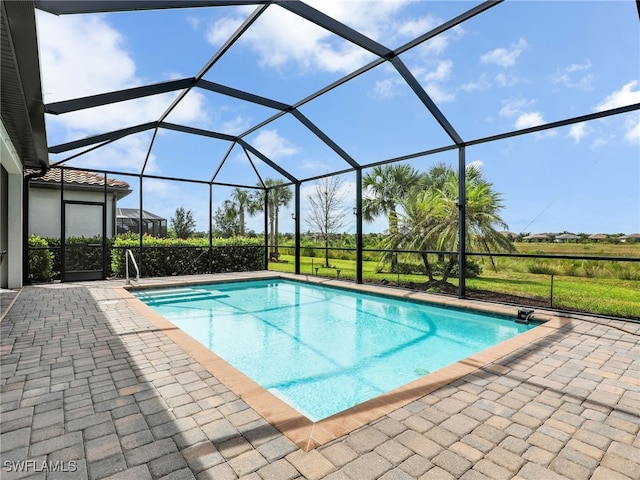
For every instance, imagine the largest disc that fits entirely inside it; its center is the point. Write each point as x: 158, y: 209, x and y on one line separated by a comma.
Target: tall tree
x: 183, y: 223
x: 386, y: 187
x: 278, y: 196
x: 243, y: 203
x: 431, y: 219
x: 327, y: 212
x: 226, y: 220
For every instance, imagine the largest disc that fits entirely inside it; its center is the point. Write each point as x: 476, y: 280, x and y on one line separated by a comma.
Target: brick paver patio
x: 91, y: 389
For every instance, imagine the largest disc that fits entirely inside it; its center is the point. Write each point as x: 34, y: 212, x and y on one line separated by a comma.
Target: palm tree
x: 278, y: 197
x: 431, y: 219
x: 242, y: 199
x: 386, y: 187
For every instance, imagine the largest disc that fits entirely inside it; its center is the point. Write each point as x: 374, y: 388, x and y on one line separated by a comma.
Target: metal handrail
x: 129, y: 254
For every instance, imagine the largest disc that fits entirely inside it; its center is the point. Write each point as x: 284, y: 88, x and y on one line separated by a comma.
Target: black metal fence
x: 605, y: 285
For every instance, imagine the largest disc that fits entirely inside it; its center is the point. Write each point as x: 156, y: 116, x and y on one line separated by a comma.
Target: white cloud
x: 438, y: 93
x: 513, y: 107
x: 578, y: 131
x: 418, y: 26
x: 529, y: 119
x: 273, y: 146
x: 220, y: 31
x: 191, y: 109
x: 441, y: 73
x: 373, y: 19
x: 504, y: 80
x: 434, y: 81
x: 485, y: 83
x: 280, y: 37
x: 533, y: 119
x: 413, y: 28
x: 632, y: 135
x: 236, y: 125
x: 599, y: 142
x: 385, y: 89
x: 505, y: 57
x: 124, y: 155
x: 481, y: 84
x: 83, y: 56
x: 625, y: 96
x: 570, y: 76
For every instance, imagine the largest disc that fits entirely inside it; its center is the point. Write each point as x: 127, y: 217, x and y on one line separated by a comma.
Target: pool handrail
x: 129, y: 254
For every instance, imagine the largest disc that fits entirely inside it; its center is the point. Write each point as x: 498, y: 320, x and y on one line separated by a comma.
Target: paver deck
x: 90, y: 388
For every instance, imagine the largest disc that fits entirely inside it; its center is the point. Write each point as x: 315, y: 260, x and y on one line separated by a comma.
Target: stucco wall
x: 45, y: 215
x: 11, y: 212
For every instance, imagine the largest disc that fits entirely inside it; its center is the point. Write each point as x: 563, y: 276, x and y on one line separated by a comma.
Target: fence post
x: 551, y: 300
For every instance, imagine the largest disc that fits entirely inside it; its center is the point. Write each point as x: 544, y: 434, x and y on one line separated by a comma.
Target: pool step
x: 180, y: 295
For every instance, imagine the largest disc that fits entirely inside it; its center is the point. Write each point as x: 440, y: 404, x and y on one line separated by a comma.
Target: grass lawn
x: 606, y: 296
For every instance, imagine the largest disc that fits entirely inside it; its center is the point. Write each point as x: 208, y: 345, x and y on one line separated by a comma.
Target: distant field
x: 595, y: 249
x: 606, y: 288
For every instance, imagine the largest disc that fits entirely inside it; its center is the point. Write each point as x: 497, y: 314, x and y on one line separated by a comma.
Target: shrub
x: 55, y: 251
x: 166, y: 257
x: 593, y: 268
x: 626, y: 271
x: 571, y: 268
x: 39, y: 260
x: 473, y: 269
x: 541, y: 267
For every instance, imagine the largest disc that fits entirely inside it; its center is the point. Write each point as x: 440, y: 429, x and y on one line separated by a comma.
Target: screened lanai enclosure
x: 417, y: 144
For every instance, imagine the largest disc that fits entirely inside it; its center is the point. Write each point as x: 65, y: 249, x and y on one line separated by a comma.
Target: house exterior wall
x: 11, y: 213
x: 45, y: 218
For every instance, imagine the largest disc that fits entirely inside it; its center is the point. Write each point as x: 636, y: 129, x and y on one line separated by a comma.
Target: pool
x: 321, y: 349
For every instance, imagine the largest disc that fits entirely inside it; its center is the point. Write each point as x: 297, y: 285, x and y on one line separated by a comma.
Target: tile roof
x: 78, y: 177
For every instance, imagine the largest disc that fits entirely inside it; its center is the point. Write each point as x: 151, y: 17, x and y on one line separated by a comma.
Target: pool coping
x: 305, y: 433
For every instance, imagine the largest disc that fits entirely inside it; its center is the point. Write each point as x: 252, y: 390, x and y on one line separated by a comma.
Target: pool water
x: 321, y: 349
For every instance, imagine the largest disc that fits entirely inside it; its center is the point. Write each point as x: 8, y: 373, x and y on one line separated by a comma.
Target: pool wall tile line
x: 305, y: 433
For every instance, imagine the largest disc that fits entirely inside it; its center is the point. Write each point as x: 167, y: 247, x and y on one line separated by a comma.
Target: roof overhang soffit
x: 22, y: 107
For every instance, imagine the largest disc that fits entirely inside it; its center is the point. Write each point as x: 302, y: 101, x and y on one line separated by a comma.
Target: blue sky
x: 519, y: 64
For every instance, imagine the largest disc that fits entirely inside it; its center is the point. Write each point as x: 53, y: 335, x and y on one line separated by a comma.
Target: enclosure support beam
x: 140, y: 235
x: 297, y: 234
x: 266, y: 229
x: 210, y: 228
x: 462, y: 228
x: 358, y: 212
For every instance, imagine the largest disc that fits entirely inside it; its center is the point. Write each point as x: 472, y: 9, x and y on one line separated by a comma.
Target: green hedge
x: 167, y: 256
x: 160, y: 257
x: 39, y: 260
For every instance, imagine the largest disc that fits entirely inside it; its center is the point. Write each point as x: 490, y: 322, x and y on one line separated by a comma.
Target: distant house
x: 128, y: 221
x: 631, y: 238
x: 596, y: 237
x: 538, y: 237
x: 567, y: 238
x: 87, y: 201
